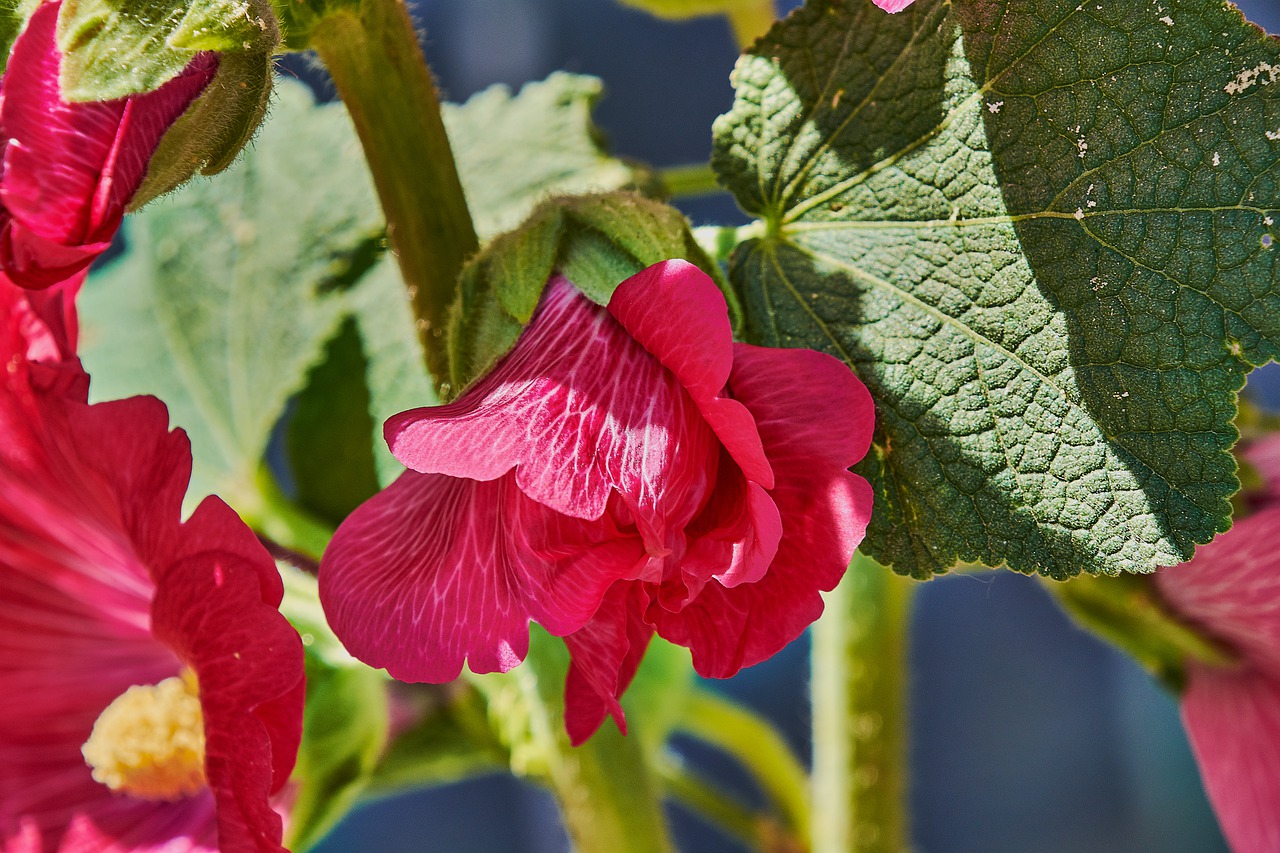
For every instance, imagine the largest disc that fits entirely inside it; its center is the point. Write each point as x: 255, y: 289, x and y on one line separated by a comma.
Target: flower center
x: 149, y: 742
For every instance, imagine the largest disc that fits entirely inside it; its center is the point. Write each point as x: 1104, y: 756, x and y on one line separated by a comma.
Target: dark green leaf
x: 1042, y: 233
x: 330, y: 453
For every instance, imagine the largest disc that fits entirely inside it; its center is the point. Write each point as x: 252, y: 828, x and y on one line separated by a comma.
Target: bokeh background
x: 1028, y: 735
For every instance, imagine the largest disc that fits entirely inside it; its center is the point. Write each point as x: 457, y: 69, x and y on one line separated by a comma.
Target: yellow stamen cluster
x: 149, y: 742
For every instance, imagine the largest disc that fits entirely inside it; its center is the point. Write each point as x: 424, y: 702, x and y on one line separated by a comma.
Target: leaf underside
x: 1043, y: 233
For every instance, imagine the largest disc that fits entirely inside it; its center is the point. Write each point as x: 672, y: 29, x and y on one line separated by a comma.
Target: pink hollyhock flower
x: 153, y: 690
x: 893, y: 6
x: 623, y: 470
x: 68, y: 170
x: 1231, y: 589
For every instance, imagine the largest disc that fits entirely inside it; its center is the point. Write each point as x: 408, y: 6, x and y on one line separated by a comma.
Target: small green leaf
x: 1043, y: 234
x: 223, y: 300
x: 113, y: 48
x: 515, y: 150
x: 345, y: 724
x: 597, y: 241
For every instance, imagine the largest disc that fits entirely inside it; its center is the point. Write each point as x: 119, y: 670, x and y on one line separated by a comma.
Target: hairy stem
x: 372, y: 53
x: 860, y: 713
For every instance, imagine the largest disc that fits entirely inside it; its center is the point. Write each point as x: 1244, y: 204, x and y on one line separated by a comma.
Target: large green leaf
x: 1042, y: 233
x: 226, y: 295
x: 515, y: 150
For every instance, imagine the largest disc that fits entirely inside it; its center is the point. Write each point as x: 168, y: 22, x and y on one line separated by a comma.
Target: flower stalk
x: 860, y: 716
x: 608, y: 797
x: 378, y: 68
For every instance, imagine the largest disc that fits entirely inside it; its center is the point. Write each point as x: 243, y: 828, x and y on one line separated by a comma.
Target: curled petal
x: 815, y: 418
x: 606, y: 655
x: 573, y: 429
x: 69, y: 169
x: 675, y: 311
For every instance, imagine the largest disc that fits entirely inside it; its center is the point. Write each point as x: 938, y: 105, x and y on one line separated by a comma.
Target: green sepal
x: 344, y: 727
x: 114, y: 48
x: 597, y: 241
x: 209, y: 136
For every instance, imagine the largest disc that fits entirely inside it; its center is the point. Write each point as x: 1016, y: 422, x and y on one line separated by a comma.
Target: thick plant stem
x: 751, y: 19
x: 372, y: 53
x: 860, y: 713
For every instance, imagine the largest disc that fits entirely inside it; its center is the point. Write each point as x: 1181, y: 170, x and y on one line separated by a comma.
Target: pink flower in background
x: 153, y: 692
x: 1231, y: 589
x: 893, y: 6
x: 623, y: 470
x: 69, y: 170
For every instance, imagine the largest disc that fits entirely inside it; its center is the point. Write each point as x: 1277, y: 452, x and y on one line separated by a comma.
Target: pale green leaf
x: 225, y: 296
x: 515, y: 150
x: 678, y: 9
x: 1042, y: 233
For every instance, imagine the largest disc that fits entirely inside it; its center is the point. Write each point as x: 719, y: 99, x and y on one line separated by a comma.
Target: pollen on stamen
x: 149, y: 742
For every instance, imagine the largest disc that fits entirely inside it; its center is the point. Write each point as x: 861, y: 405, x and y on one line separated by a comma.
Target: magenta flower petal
x: 661, y: 308
x: 1233, y: 720
x: 606, y: 655
x: 70, y: 169
x: 106, y: 589
x: 815, y: 419
x: 573, y: 432
x: 893, y: 6
x: 619, y: 471
x: 471, y: 567
x: 1232, y: 589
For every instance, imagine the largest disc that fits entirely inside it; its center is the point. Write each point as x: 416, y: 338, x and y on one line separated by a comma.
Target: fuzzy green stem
x: 759, y: 748
x: 860, y: 713
x: 608, y: 797
x: 372, y: 53
x: 750, y: 20
x: 690, y: 180
x: 270, y: 512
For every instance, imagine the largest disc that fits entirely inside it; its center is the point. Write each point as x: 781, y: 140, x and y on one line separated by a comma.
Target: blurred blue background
x: 1027, y: 734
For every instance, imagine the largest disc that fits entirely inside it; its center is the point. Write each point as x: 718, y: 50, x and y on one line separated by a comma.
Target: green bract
x: 113, y: 48
x: 1042, y: 233
x: 597, y: 241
